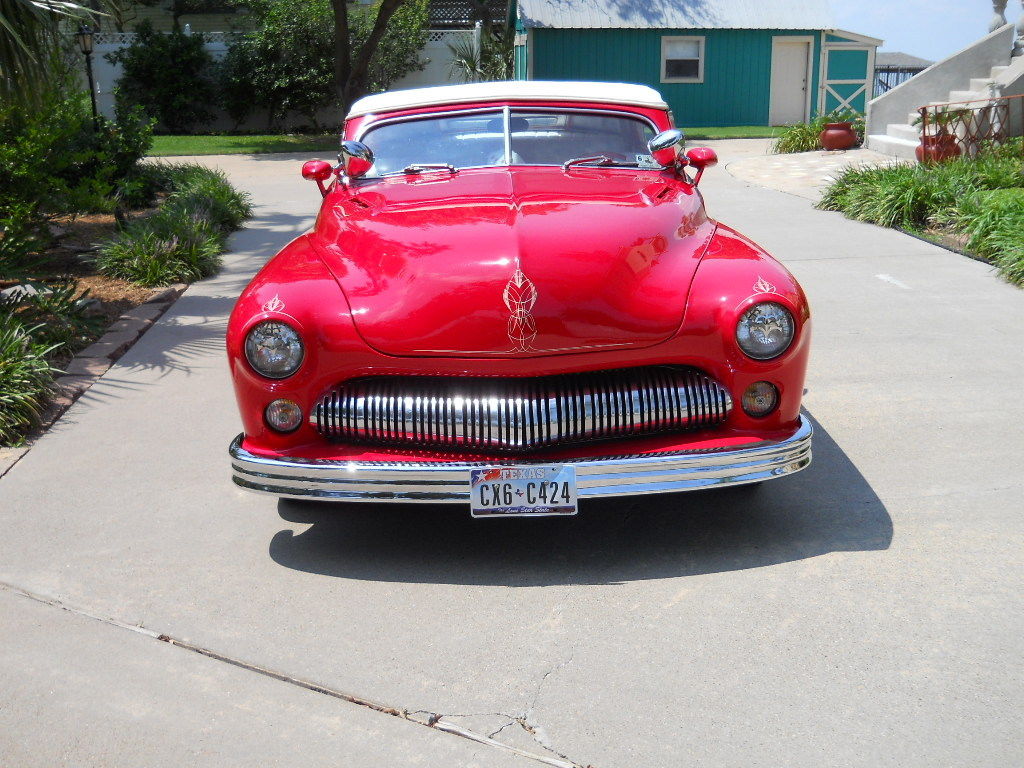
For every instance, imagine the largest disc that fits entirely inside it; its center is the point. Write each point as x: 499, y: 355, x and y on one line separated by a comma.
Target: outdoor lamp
x: 84, y: 35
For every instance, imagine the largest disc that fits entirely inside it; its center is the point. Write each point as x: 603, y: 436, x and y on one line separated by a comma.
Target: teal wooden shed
x: 716, y: 62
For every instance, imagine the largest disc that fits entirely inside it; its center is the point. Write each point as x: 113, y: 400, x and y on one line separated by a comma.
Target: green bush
x: 55, y: 160
x: 171, y: 76
x: 26, y: 379
x: 18, y: 243
x: 182, y: 241
x: 285, y: 65
x: 141, y: 255
x: 912, y: 195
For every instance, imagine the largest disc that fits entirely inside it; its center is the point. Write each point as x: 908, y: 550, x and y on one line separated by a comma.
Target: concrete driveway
x: 865, y: 612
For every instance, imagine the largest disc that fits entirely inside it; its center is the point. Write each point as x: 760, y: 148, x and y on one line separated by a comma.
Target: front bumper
x: 433, y: 482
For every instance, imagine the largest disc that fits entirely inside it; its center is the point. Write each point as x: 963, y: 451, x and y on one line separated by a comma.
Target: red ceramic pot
x: 937, y: 148
x: 838, y: 136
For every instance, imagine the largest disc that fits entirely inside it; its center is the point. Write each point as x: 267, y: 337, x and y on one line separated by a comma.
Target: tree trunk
x: 356, y: 71
x: 342, y: 51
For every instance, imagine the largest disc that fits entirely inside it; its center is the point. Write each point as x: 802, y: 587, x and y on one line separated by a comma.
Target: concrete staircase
x: 964, y: 76
x: 901, y: 139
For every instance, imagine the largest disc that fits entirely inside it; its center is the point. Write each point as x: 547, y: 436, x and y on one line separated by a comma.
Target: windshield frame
x: 506, y: 112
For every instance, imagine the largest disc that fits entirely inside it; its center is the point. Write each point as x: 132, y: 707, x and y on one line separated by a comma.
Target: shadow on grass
x: 826, y: 508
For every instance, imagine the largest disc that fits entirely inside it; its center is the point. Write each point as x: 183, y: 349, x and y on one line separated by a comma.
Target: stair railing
x: 964, y: 128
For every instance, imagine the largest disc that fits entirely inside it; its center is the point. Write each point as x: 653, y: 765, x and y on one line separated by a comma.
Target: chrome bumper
x: 427, y: 482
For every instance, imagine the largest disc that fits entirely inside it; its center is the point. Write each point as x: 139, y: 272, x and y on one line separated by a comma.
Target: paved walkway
x: 865, y: 612
x: 805, y: 174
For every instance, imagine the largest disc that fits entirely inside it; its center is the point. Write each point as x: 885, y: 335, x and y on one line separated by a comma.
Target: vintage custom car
x: 513, y: 298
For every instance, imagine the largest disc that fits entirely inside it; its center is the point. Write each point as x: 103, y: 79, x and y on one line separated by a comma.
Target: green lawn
x: 168, y: 146
x: 731, y: 132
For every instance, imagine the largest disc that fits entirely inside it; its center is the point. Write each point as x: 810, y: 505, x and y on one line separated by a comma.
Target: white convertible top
x: 512, y: 90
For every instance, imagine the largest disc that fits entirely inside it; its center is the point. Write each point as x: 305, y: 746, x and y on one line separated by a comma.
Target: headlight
x: 765, y: 330
x: 274, y: 349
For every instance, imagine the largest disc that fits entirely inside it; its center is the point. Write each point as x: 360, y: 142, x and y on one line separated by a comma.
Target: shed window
x: 682, y: 59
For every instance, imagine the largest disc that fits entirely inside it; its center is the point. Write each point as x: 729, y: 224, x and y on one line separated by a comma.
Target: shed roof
x: 514, y: 90
x: 676, y: 14
x: 900, y: 59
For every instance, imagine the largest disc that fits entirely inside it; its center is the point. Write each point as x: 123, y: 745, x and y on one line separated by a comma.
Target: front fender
x: 734, y: 274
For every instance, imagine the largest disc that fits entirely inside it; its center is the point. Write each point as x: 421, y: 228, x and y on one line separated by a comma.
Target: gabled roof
x: 676, y: 14
x: 514, y: 90
x: 900, y: 59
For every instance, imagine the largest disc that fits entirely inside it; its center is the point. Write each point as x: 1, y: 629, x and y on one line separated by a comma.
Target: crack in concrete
x: 432, y: 720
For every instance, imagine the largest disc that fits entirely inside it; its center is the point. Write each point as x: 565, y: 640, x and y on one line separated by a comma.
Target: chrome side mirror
x: 356, y: 159
x: 666, y: 147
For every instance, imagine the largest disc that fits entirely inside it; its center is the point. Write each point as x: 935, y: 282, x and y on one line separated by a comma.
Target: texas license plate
x: 523, y: 491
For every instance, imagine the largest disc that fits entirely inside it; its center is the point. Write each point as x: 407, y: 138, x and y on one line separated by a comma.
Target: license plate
x: 523, y: 491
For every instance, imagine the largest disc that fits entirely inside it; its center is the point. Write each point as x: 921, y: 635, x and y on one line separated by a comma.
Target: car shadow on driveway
x: 826, y: 508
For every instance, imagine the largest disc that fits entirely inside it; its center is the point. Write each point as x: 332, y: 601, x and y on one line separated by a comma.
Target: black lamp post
x: 85, y: 43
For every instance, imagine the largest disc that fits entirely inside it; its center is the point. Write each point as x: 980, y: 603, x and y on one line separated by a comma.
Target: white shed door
x: 790, y: 81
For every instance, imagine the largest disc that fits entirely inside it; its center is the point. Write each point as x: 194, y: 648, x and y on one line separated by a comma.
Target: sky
x: 931, y: 29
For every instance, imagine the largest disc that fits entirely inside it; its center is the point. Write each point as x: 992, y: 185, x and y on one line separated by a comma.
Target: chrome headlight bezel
x: 765, y: 320
x: 258, y: 341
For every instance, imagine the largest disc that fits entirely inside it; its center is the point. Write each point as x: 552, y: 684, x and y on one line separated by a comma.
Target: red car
x: 513, y: 298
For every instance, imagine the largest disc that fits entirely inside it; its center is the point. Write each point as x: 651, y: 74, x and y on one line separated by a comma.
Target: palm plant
x: 492, y: 60
x: 27, y: 38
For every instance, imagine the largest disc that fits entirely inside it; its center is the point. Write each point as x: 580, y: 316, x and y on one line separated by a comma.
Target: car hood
x: 515, y: 262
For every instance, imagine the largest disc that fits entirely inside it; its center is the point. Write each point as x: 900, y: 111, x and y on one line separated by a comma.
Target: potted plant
x: 839, y: 132
x: 940, y: 145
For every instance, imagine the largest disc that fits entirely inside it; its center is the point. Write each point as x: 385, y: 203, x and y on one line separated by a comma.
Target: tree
x: 287, y: 63
x: 352, y: 62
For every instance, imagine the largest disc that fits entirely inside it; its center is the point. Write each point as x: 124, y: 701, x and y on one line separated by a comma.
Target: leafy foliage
x: 183, y: 241
x: 803, y: 137
x: 494, y: 60
x: 171, y: 76
x: 286, y: 64
x: 26, y: 378
x: 55, y: 313
x: 28, y: 40
x: 55, y: 159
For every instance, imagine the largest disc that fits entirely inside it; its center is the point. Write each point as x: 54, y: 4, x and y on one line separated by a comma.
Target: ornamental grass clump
x: 979, y: 198
x: 183, y: 241
x: 993, y: 223
x: 26, y: 379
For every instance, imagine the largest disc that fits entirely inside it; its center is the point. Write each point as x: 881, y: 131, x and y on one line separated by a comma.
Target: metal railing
x: 965, y: 127
x: 887, y: 78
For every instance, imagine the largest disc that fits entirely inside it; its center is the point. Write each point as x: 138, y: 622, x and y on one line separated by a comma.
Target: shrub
x: 981, y: 198
x: 183, y: 241
x: 170, y: 75
x: 993, y: 221
x: 912, y: 195
x: 54, y: 159
x: 285, y: 65
x: 18, y: 243
x: 142, y: 255
x: 26, y: 379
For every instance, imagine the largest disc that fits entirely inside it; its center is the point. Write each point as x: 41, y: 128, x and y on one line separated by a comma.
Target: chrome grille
x: 512, y: 414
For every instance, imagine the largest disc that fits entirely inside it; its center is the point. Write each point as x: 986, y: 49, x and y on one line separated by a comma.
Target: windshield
x: 510, y: 137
